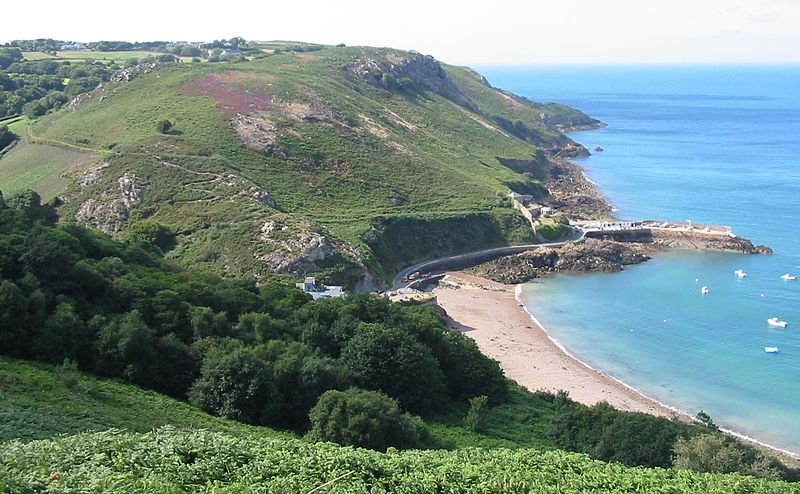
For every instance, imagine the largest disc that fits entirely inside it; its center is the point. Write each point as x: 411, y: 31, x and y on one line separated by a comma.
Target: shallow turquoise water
x: 710, y: 144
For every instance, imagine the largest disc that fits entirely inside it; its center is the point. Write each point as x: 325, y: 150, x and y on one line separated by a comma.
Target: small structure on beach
x: 309, y: 286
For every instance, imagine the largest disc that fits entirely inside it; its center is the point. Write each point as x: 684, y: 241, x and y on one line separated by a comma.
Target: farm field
x: 118, y: 56
x: 39, y: 167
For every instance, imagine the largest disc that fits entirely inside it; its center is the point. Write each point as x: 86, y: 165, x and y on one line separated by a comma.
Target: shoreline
x: 490, y: 314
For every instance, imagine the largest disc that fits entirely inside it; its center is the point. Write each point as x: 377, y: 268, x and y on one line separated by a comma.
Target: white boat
x: 774, y: 321
x: 740, y: 273
x: 704, y: 290
x: 788, y: 277
x: 771, y: 349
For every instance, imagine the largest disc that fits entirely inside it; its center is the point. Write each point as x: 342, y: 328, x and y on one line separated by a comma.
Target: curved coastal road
x: 475, y: 257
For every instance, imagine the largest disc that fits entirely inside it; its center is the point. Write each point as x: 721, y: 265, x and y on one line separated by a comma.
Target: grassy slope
x: 44, y: 442
x: 440, y: 158
x: 37, y: 403
x: 169, y: 460
x: 39, y: 167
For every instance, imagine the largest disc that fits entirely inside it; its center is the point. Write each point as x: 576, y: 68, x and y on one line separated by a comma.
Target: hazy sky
x: 500, y: 31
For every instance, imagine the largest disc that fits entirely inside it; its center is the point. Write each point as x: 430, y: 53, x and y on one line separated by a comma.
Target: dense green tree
x: 365, y: 419
x: 236, y: 383
x: 301, y: 377
x: 65, y: 336
x: 611, y: 435
x: 205, y: 322
x: 14, y: 329
x: 151, y: 232
x: 708, y: 453
x: 258, y: 327
x: 9, y: 56
x: 468, y: 371
x: 392, y: 361
x: 6, y: 136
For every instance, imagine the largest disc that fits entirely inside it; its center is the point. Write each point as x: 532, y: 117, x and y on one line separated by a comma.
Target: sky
x: 478, y: 33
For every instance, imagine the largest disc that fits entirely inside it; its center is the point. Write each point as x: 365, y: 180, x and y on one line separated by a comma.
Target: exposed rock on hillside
x: 588, y: 255
x: 299, y: 249
x: 424, y: 71
x: 572, y: 193
x: 111, y: 209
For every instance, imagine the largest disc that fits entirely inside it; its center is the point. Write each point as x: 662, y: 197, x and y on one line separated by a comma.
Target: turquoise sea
x: 714, y: 144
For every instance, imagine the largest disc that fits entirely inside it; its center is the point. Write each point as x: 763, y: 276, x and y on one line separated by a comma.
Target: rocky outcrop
x: 299, y: 249
x: 423, y: 71
x: 587, y: 255
x: 572, y: 193
x: 110, y: 210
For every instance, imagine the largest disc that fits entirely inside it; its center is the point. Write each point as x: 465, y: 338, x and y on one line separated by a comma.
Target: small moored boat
x: 740, y: 273
x: 704, y: 290
x: 788, y: 277
x: 771, y: 349
x: 774, y: 321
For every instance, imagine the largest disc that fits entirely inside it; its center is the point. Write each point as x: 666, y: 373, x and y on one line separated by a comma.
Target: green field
x: 39, y: 401
x: 39, y: 167
x: 118, y: 56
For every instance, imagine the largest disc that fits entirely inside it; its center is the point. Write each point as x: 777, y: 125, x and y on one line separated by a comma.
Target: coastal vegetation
x: 352, y: 371
x: 152, y: 339
x: 170, y: 460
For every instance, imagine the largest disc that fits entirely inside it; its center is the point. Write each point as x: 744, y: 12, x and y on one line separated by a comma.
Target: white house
x: 309, y: 285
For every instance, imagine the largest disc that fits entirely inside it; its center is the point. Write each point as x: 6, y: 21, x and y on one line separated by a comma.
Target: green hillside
x: 301, y: 161
x: 38, y: 401
x: 170, y: 460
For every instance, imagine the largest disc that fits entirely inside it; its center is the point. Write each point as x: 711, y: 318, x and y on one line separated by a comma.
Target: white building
x: 309, y: 285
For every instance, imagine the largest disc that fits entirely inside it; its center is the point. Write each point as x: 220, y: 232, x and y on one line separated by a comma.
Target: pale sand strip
x: 489, y: 313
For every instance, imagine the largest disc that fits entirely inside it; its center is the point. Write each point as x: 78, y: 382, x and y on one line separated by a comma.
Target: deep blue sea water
x: 714, y: 144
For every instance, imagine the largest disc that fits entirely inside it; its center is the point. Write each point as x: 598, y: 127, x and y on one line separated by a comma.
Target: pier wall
x: 681, y: 239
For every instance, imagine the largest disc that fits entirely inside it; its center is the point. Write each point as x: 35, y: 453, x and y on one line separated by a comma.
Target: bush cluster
x: 262, y: 355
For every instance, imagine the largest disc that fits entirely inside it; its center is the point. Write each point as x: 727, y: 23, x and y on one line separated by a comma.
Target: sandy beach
x: 489, y: 313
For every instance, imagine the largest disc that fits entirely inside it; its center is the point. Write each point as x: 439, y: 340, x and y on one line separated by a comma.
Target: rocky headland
x: 581, y: 256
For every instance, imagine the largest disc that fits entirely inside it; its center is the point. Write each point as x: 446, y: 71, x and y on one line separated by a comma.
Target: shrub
x: 392, y: 361
x: 236, y: 383
x: 365, y: 419
x: 475, y: 414
x: 707, y: 453
x: 164, y: 126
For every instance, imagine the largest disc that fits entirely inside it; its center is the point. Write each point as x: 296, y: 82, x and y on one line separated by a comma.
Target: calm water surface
x: 714, y: 145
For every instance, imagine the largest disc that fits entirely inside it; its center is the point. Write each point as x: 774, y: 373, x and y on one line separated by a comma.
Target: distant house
x: 309, y: 285
x: 73, y: 47
x: 224, y: 51
x: 545, y: 211
x: 521, y: 198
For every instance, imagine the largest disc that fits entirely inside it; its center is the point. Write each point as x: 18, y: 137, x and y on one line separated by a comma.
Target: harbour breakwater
x: 682, y: 238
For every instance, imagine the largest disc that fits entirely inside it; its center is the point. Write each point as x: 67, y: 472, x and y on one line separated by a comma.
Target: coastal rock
x: 683, y: 240
x: 586, y: 255
x: 599, y: 149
